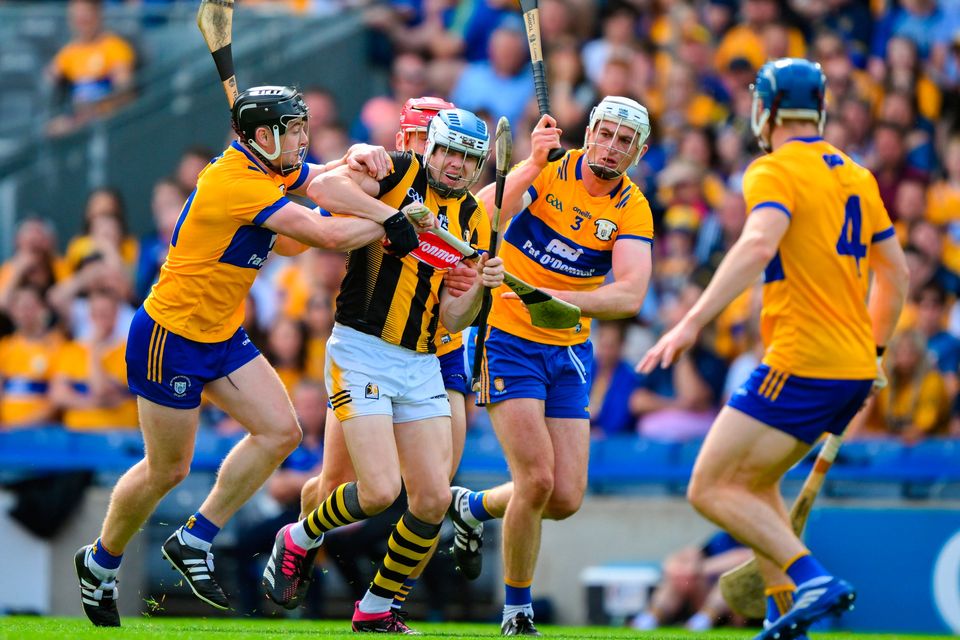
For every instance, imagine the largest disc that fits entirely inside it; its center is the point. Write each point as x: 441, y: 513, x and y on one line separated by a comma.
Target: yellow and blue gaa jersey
x: 448, y: 342
x: 398, y: 299
x: 73, y: 364
x: 564, y: 240
x: 814, y: 321
x: 25, y: 371
x: 218, y: 246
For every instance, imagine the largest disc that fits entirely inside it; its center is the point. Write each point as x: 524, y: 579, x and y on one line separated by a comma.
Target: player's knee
x: 288, y: 438
x: 431, y: 504
x: 535, y: 485
x: 168, y: 476
x: 699, y: 494
x: 378, y: 496
x: 562, y: 506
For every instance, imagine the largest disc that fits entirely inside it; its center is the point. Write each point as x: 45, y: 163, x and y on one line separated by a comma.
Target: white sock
x: 463, y: 507
x: 645, y: 621
x: 699, y: 622
x: 191, y: 540
x: 374, y: 604
x: 298, y: 533
x: 102, y: 573
x: 511, y: 610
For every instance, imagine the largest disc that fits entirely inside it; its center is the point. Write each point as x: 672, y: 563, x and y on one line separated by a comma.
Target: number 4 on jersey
x: 848, y: 244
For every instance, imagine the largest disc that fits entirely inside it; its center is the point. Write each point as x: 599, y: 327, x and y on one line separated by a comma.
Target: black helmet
x: 272, y: 107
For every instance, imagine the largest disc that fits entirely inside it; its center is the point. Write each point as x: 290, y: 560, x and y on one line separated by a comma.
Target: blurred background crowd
x: 893, y: 72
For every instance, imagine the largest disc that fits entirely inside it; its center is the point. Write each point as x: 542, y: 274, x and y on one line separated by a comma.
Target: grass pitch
x: 17, y: 628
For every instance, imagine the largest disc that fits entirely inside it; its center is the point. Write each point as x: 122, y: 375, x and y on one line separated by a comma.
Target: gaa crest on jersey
x: 371, y: 391
x: 605, y: 229
x: 180, y: 384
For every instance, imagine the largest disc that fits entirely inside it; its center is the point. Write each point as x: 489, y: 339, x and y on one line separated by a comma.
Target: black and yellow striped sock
x: 409, y: 543
x: 340, y: 508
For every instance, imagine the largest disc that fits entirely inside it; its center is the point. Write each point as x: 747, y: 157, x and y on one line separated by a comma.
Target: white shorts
x: 367, y: 376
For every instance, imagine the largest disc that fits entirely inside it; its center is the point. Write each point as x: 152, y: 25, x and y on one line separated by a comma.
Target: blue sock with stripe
x: 104, y: 558
x: 477, y: 510
x: 804, y: 568
x: 199, y: 530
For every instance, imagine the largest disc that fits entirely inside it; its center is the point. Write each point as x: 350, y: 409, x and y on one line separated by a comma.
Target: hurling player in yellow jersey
x: 337, y: 467
x: 383, y: 377
x: 572, y: 222
x: 187, y: 337
x: 816, y: 229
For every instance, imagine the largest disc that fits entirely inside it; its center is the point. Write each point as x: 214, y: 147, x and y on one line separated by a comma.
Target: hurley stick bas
x: 742, y: 587
x: 504, y: 150
x: 531, y: 22
x: 215, y: 20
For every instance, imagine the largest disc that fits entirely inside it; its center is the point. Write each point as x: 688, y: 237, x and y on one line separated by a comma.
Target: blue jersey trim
x: 239, y: 147
x: 533, y: 194
x: 806, y: 139
x: 577, y: 171
x: 183, y: 216
x: 882, y: 235
x: 772, y: 205
x: 323, y: 212
x: 24, y: 386
x: 266, y: 212
x: 304, y: 172
x: 624, y: 236
x: 553, y: 251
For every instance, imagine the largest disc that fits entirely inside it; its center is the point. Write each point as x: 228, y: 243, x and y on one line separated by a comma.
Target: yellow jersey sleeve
x: 767, y: 185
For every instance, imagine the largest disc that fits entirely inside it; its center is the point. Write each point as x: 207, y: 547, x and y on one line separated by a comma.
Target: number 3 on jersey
x: 848, y: 244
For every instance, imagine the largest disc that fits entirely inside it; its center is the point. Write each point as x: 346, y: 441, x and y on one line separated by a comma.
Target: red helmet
x: 417, y: 112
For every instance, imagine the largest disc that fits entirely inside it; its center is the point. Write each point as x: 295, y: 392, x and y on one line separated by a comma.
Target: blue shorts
x: 805, y: 408
x: 453, y: 367
x: 171, y: 370
x: 519, y: 368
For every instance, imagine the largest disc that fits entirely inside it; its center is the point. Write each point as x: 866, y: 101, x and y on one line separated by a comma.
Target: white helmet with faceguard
x: 275, y: 108
x: 461, y: 132
x: 627, y: 116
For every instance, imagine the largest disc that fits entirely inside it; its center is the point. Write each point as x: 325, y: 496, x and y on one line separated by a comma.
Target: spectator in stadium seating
x: 844, y: 80
x: 689, y: 585
x: 287, y: 350
x: 909, y: 206
x: 745, y: 39
x: 915, y: 20
x: 943, y: 203
x: 378, y: 115
x: 34, y: 262
x: 96, y: 67
x: 720, y: 229
x: 570, y: 93
x: 676, y: 261
x: 324, y: 118
x: 857, y: 118
x: 191, y: 163
x: 889, y: 161
x: 68, y: 298
x: 319, y: 324
x: 914, y: 405
x: 26, y: 358
x: 904, y: 73
x: 943, y: 348
x: 255, y: 539
x: 613, y: 382
x: 89, y: 377
x: 680, y: 402
x: 165, y: 206
x: 501, y: 85
x: 618, y: 33
x: 105, y: 232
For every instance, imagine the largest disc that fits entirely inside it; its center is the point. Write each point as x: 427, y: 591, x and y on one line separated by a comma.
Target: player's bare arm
x: 456, y: 313
x: 632, y: 265
x: 740, y: 268
x: 302, y: 226
x: 367, y: 158
x: 545, y: 136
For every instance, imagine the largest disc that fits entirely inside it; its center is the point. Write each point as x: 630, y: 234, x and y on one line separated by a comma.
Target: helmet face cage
x: 455, y: 131
x: 277, y: 108
x: 787, y: 89
x: 624, y: 114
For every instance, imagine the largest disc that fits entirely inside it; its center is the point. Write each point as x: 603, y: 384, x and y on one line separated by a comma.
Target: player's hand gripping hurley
x: 215, y: 19
x: 742, y: 587
x: 504, y: 150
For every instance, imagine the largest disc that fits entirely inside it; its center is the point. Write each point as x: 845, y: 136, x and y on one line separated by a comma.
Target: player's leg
x: 527, y: 445
x: 571, y: 452
x: 425, y: 452
x: 168, y: 436
x: 253, y: 395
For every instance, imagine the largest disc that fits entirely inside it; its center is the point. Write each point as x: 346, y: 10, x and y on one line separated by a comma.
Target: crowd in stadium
x: 893, y: 73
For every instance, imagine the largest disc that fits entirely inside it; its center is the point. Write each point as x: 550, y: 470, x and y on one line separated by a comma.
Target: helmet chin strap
x: 270, y: 158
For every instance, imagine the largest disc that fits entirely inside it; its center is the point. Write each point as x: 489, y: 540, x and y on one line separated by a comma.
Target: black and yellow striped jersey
x: 398, y: 299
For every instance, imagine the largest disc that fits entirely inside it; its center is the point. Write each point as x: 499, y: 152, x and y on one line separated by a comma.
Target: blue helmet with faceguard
x: 459, y: 131
x: 787, y: 89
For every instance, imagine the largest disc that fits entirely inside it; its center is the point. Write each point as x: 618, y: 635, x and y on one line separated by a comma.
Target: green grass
x: 229, y: 629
